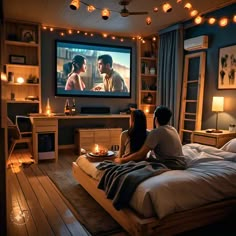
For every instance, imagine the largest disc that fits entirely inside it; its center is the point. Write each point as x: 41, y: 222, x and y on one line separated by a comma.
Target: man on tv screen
x: 112, y: 80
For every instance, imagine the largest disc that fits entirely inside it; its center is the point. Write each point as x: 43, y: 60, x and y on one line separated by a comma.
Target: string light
x: 211, y: 20
x: 223, y: 22
x: 198, y: 20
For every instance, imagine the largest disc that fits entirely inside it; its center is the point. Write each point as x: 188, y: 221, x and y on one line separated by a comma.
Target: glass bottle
x: 73, y: 108
x: 67, y: 107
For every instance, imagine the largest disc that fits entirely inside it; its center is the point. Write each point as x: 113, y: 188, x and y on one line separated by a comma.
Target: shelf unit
x: 147, y: 78
x: 22, y: 60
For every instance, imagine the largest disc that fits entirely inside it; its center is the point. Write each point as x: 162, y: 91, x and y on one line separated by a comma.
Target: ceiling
x: 57, y: 13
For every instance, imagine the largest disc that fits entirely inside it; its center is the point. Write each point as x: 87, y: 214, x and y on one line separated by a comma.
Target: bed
x: 177, y: 200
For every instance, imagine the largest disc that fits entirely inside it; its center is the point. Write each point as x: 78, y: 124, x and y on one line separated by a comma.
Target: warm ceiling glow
x: 62, y: 34
x: 223, y: 22
x: 178, y: 1
x: 211, y: 20
x: 77, y: 31
x: 70, y: 31
x: 188, y: 6
x: 166, y: 7
x: 51, y: 29
x: 198, y: 20
x: 105, y: 14
x: 148, y: 20
x: 193, y: 13
x: 91, y: 8
x: 154, y: 39
x: 104, y: 35
x: 122, y: 40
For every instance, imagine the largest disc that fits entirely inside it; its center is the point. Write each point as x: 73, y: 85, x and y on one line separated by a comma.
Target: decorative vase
x: 148, y: 99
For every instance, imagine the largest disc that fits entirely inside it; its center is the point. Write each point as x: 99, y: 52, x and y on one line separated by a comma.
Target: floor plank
x: 30, y: 191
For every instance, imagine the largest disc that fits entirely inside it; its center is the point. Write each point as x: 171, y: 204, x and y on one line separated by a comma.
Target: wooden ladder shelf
x: 192, y: 95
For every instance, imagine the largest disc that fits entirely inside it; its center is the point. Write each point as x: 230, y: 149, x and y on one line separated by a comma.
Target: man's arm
x: 137, y: 156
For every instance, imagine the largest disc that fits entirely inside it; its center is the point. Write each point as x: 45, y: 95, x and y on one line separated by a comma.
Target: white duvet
x: 209, y: 177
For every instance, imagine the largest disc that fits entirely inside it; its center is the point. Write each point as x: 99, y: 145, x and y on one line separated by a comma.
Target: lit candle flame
x: 96, y: 148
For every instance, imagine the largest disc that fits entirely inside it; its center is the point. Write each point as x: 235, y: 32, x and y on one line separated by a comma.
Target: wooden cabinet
x: 147, y: 77
x: 45, y: 138
x: 87, y: 138
x: 22, y: 63
x: 212, y: 139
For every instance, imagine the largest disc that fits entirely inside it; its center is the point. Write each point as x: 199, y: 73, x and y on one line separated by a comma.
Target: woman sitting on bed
x: 132, y: 140
x: 163, y: 141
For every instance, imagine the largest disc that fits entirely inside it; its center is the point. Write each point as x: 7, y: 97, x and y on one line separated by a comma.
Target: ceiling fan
x: 125, y: 12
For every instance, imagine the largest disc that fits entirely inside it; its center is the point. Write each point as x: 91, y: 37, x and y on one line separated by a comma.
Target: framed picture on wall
x: 227, y: 68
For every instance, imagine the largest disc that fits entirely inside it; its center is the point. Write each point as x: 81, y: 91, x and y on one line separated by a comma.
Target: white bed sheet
x: 209, y: 177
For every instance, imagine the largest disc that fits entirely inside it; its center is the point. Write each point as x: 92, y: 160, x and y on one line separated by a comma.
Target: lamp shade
x: 218, y: 104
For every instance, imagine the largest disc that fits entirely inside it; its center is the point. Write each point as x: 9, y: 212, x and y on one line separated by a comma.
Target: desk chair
x: 21, y: 132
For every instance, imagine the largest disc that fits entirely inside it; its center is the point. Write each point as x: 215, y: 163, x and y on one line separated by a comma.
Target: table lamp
x: 217, y: 106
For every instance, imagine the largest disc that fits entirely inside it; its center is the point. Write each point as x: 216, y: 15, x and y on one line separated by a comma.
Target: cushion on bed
x: 230, y: 146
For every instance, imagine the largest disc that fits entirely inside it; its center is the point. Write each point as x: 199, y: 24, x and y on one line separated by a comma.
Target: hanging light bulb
x: 148, y: 20
x: 198, y: 20
x: 75, y: 4
x: 223, y: 22
x: 167, y: 7
x: 193, y: 13
x: 178, y: 1
x: 105, y: 14
x: 91, y: 8
x: 188, y: 6
x: 234, y: 19
x: 211, y: 20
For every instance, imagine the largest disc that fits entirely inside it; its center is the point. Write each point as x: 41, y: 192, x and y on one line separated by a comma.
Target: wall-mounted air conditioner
x: 197, y: 43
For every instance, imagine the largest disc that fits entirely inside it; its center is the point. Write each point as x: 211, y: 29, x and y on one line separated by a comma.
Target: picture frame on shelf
x: 28, y: 36
x: 227, y: 68
x: 17, y: 59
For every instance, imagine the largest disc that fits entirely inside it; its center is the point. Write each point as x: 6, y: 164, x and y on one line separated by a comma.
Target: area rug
x: 88, y: 212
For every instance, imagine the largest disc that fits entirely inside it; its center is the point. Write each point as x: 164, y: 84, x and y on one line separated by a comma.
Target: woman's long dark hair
x: 138, y: 130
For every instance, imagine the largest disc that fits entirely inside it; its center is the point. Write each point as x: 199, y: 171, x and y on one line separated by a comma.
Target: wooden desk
x: 212, y: 139
x: 66, y: 125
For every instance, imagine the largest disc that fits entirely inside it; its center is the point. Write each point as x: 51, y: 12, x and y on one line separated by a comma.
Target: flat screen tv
x: 91, y: 81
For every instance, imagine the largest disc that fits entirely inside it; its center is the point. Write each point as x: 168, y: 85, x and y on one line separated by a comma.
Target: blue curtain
x: 170, y: 70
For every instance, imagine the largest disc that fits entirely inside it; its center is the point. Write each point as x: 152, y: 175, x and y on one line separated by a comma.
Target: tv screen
x: 84, y: 69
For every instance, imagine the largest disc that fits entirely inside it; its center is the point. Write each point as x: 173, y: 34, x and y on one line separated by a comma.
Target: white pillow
x: 230, y: 146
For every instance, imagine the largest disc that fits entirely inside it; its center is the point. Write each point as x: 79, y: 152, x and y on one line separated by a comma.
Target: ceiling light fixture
x: 188, y: 6
x: 234, y: 19
x: 75, y: 4
x: 91, y: 8
x: 167, y: 7
x: 105, y: 14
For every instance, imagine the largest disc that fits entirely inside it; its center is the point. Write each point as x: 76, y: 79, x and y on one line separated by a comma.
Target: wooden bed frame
x: 169, y: 225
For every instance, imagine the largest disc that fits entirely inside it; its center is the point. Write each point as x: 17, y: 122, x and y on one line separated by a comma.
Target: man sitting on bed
x: 163, y: 141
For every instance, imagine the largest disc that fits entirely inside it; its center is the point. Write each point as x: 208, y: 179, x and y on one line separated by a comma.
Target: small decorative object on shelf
x: 10, y: 77
x: 48, y: 108
x: 73, y: 108
x: 148, y: 99
x: 67, y: 107
x: 232, y: 128
x: 152, y: 71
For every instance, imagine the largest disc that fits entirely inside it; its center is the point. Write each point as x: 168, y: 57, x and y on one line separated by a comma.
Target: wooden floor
x: 35, y: 206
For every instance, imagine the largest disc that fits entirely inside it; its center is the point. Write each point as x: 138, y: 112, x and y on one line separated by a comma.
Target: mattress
x: 209, y: 177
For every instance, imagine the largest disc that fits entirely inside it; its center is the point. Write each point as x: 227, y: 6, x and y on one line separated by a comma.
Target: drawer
x: 204, y: 140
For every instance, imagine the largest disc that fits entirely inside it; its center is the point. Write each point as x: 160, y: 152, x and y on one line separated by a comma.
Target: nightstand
x: 212, y: 139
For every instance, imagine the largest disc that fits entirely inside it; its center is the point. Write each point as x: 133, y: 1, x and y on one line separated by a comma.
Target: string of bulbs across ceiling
x: 165, y: 7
